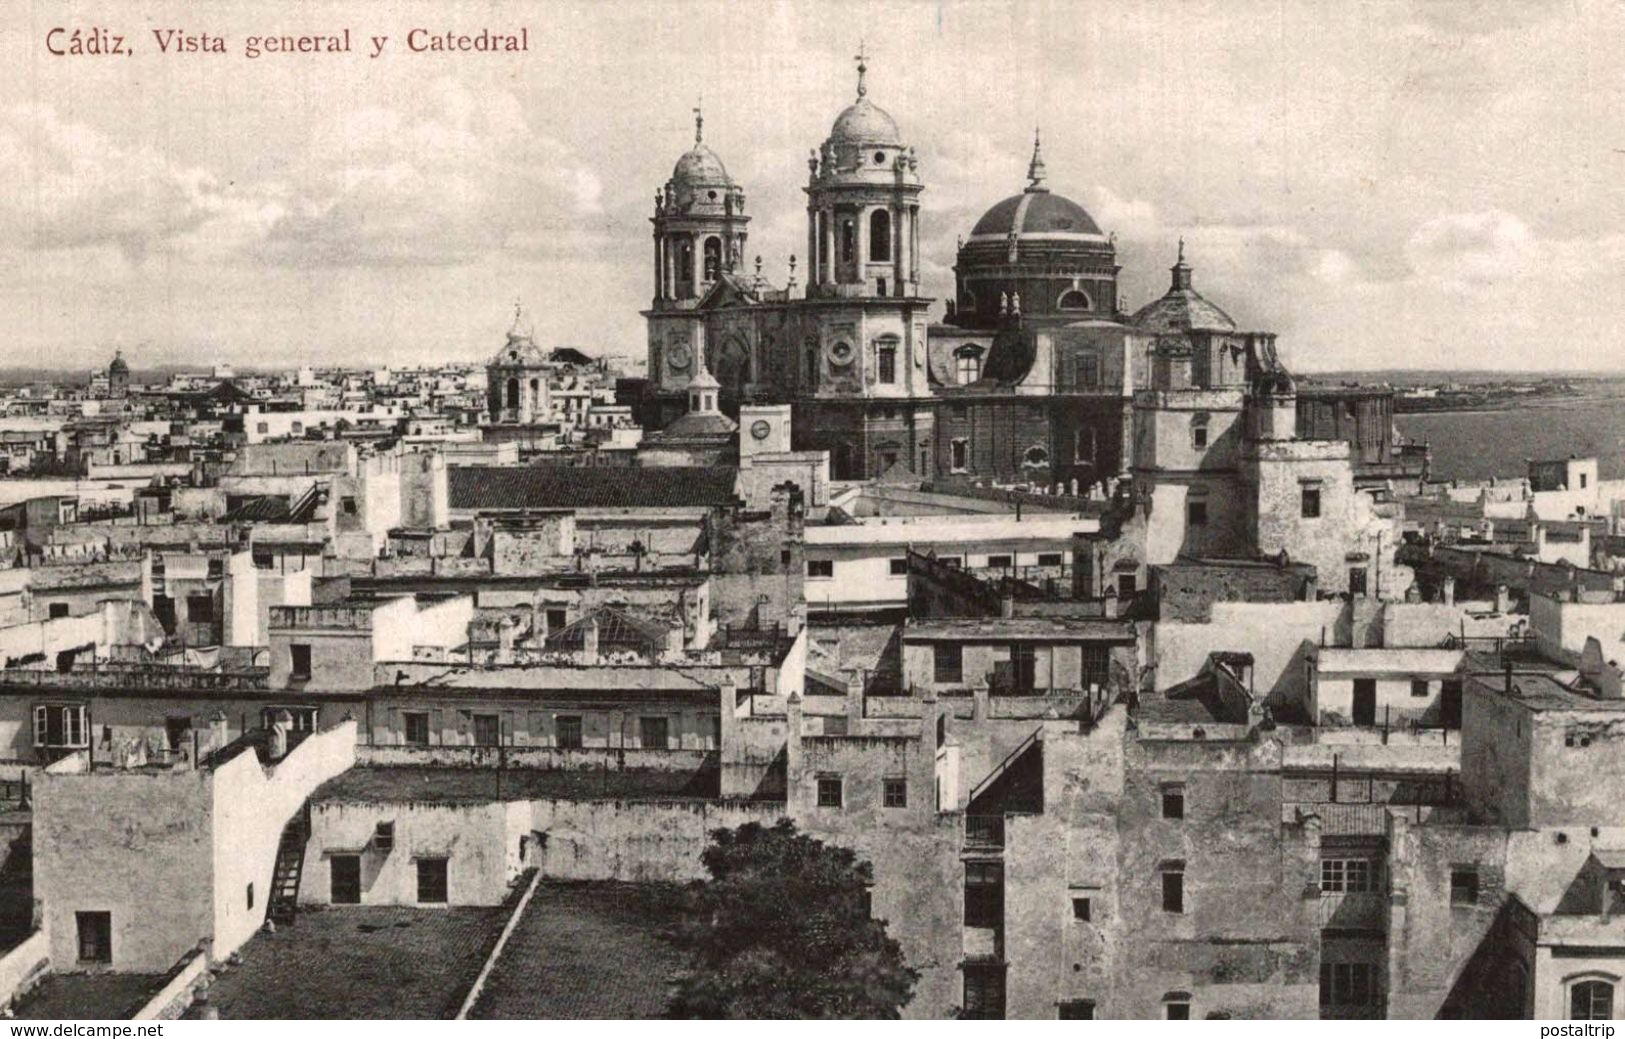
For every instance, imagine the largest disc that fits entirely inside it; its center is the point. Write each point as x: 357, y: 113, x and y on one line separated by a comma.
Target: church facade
x: 1030, y: 378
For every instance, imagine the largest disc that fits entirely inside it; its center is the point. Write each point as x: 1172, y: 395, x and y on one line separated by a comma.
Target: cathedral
x: 1029, y: 378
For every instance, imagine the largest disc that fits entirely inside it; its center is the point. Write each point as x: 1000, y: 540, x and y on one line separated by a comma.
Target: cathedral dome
x: 1182, y: 308
x: 119, y: 365
x: 1037, y: 211
x: 865, y: 122
x: 700, y: 165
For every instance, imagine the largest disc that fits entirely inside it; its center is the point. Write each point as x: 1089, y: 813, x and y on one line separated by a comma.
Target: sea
x: 1476, y: 445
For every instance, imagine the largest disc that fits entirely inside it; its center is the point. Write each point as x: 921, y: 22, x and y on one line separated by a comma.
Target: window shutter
x: 507, y: 726
x: 538, y: 726
x: 40, y: 725
x: 465, y: 720
x: 437, y: 731
x: 397, y: 731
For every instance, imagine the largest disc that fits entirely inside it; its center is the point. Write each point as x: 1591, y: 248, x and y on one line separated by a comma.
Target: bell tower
x: 863, y: 189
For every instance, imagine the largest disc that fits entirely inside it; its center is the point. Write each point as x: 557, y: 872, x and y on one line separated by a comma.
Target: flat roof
x: 1543, y: 692
x: 444, y: 784
x: 1396, y: 661
x: 1003, y: 629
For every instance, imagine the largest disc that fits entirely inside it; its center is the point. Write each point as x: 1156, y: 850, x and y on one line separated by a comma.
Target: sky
x: 1383, y: 184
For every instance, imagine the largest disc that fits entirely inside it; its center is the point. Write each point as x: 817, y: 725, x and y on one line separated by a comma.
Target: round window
x: 880, y: 158
x: 712, y: 195
x: 841, y: 353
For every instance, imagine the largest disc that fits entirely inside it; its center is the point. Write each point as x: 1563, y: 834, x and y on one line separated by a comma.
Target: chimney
x: 1503, y: 599
x: 1447, y: 591
x: 1007, y: 605
x: 219, y: 730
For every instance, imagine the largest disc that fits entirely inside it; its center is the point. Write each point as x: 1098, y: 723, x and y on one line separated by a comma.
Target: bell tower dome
x: 863, y: 191
x: 699, y: 224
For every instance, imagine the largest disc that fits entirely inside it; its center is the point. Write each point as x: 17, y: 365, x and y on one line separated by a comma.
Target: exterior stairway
x: 283, y: 905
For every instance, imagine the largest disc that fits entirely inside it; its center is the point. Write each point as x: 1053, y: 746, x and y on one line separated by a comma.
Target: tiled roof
x: 567, y: 487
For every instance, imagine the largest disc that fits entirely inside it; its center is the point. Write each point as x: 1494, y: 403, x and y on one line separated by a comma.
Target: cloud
x: 72, y: 187
x: 1467, y: 252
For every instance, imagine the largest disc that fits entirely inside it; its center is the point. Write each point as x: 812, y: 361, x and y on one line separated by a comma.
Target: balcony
x: 138, y: 678
x: 984, y: 831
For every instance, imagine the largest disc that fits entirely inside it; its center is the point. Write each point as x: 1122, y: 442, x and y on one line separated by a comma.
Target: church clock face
x: 678, y: 357
x: 760, y: 429
x: 840, y: 354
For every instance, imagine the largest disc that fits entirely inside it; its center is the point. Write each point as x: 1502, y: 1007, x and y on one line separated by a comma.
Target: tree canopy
x: 782, y: 930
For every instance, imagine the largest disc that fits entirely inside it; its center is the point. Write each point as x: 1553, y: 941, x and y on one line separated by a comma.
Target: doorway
x: 1365, y: 701
x: 346, y: 879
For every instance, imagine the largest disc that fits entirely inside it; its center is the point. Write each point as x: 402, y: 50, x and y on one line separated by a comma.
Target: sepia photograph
x: 908, y: 510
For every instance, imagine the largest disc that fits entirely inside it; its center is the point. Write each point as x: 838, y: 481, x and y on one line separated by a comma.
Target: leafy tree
x: 782, y: 930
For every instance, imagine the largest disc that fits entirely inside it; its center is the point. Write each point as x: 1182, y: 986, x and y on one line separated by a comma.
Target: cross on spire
x: 863, y: 67
x: 699, y: 120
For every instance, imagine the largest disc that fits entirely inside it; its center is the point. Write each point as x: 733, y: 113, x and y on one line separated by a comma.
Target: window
x: 947, y: 662
x: 894, y: 793
x: 432, y: 881
x: 713, y: 259
x: 95, y: 937
x: 1310, y: 506
x: 812, y: 367
x: 263, y: 427
x: 1199, y: 435
x: 1196, y: 512
x: 829, y: 791
x: 383, y: 837
x: 60, y: 725
x: 1035, y: 456
x: 347, y: 505
x: 1348, y: 985
x: 299, y: 660
x: 968, y: 368
x: 886, y: 355
x: 263, y: 560
x: 217, y: 569
x: 984, y: 894
x: 653, y: 733
x: 1127, y: 585
x: 1591, y: 1000
x: 959, y: 456
x: 999, y: 562
x: 1075, y: 1010
x: 984, y: 991
x: 879, y: 233
x: 58, y: 609
x: 1082, y: 910
x: 1049, y: 559
x: 1419, y: 687
x: 250, y: 896
x: 344, y: 879
x: 880, y: 287
x: 1083, y: 445
x: 1357, y: 580
x: 175, y: 729
x: 1173, y: 890
x: 1173, y: 802
x: 556, y: 619
x: 848, y: 241
x: 1175, y: 1010
x: 487, y: 730
x: 1464, y: 886
x: 1345, y: 875
x: 567, y: 731
x: 199, y: 608
x: 820, y: 568
x: 899, y: 567
x: 1073, y: 300
x: 417, y: 728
